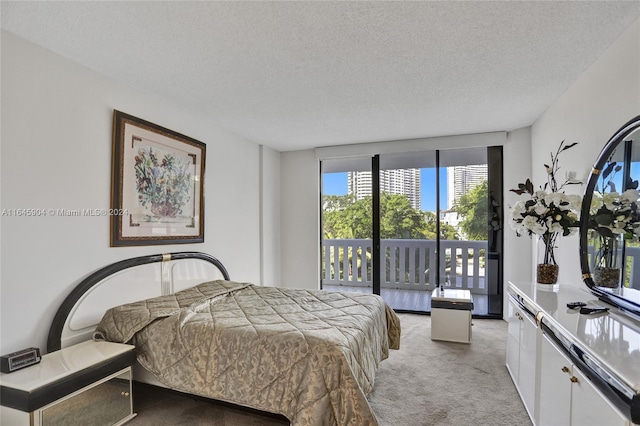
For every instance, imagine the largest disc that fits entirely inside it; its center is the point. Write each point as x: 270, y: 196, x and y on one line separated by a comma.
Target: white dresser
x: 572, y: 368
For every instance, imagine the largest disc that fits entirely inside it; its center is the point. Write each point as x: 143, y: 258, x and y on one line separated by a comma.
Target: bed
x: 308, y: 355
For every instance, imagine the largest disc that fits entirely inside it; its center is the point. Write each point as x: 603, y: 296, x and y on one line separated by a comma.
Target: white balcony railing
x: 409, y: 264
x: 633, y: 263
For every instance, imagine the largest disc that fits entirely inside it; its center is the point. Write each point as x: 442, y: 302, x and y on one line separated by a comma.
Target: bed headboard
x: 127, y: 281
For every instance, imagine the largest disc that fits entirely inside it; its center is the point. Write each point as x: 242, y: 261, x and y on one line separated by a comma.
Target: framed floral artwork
x: 157, y: 184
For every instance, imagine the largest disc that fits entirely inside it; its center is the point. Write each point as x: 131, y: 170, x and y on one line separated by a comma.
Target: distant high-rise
x: 462, y: 179
x: 397, y: 181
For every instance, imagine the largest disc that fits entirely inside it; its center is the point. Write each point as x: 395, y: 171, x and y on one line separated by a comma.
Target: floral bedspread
x: 311, y: 356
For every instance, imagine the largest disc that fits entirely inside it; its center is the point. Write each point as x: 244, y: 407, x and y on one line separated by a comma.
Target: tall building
x: 397, y: 181
x: 462, y: 179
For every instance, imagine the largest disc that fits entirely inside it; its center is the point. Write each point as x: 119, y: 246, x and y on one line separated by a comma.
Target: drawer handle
x: 574, y: 379
x: 125, y: 393
x: 565, y: 369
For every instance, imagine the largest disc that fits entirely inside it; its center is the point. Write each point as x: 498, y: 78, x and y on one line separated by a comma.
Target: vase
x: 547, y: 273
x: 163, y: 209
x: 547, y: 268
x: 608, y: 261
x: 606, y: 277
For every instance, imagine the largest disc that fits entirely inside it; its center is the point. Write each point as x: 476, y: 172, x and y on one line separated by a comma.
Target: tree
x: 337, y: 202
x: 473, y: 207
x: 337, y: 216
x: 348, y: 219
x: 398, y: 219
x: 447, y: 232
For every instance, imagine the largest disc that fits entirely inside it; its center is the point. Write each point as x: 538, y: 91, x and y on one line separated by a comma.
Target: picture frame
x: 157, y: 184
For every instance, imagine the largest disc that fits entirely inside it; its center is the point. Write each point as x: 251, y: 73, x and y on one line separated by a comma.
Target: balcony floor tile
x: 412, y: 300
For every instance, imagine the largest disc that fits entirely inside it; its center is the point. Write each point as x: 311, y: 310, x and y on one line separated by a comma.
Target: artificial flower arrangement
x: 613, y: 214
x: 547, y: 213
x: 614, y: 217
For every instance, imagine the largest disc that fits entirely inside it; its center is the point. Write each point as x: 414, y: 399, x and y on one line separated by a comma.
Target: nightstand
x: 84, y: 384
x: 451, y: 315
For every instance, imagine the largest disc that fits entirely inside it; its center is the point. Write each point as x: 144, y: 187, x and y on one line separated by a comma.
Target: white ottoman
x: 451, y: 315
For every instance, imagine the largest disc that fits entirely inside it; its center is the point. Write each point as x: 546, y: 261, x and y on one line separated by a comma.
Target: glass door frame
x: 495, y: 239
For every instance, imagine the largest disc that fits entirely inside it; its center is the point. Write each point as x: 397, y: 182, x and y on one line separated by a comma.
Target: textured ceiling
x: 296, y: 75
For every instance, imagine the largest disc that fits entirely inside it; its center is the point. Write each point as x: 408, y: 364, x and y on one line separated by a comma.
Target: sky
x: 336, y: 184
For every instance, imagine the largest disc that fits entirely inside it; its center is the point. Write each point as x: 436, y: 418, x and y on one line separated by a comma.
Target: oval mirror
x: 610, y: 222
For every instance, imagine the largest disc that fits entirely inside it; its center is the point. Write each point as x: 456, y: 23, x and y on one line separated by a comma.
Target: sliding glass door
x: 466, y: 220
x: 408, y: 229
x: 347, y: 225
x: 404, y: 223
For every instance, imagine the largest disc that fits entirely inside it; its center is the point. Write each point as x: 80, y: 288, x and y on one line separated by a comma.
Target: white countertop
x: 59, y: 364
x: 451, y: 295
x: 612, y: 338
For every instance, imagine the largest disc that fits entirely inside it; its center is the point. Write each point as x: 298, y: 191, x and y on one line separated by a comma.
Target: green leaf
x: 603, y: 219
x: 606, y: 232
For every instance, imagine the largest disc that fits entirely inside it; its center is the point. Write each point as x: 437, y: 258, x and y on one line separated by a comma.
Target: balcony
x: 407, y: 280
x: 409, y: 274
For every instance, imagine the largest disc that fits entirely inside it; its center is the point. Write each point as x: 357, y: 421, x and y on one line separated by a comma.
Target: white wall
x: 56, y: 153
x: 270, y: 219
x: 300, y: 219
x: 516, y: 168
x: 601, y: 100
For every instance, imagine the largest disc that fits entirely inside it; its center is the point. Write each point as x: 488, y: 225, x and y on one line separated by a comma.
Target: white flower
x: 571, y: 177
x: 531, y: 224
x: 575, y: 202
x: 596, y: 202
x: 555, y: 227
x: 630, y: 196
x: 518, y: 209
x: 516, y: 226
x: 619, y: 211
x: 554, y: 198
x: 609, y: 199
x: 540, y: 210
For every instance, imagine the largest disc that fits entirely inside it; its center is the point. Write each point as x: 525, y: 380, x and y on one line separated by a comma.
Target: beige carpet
x: 443, y: 383
x: 424, y: 383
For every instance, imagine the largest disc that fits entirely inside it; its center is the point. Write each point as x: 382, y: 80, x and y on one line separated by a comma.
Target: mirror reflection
x: 613, y: 222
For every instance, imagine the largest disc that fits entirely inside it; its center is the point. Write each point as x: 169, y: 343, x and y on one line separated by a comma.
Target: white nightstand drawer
x: 105, y: 403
